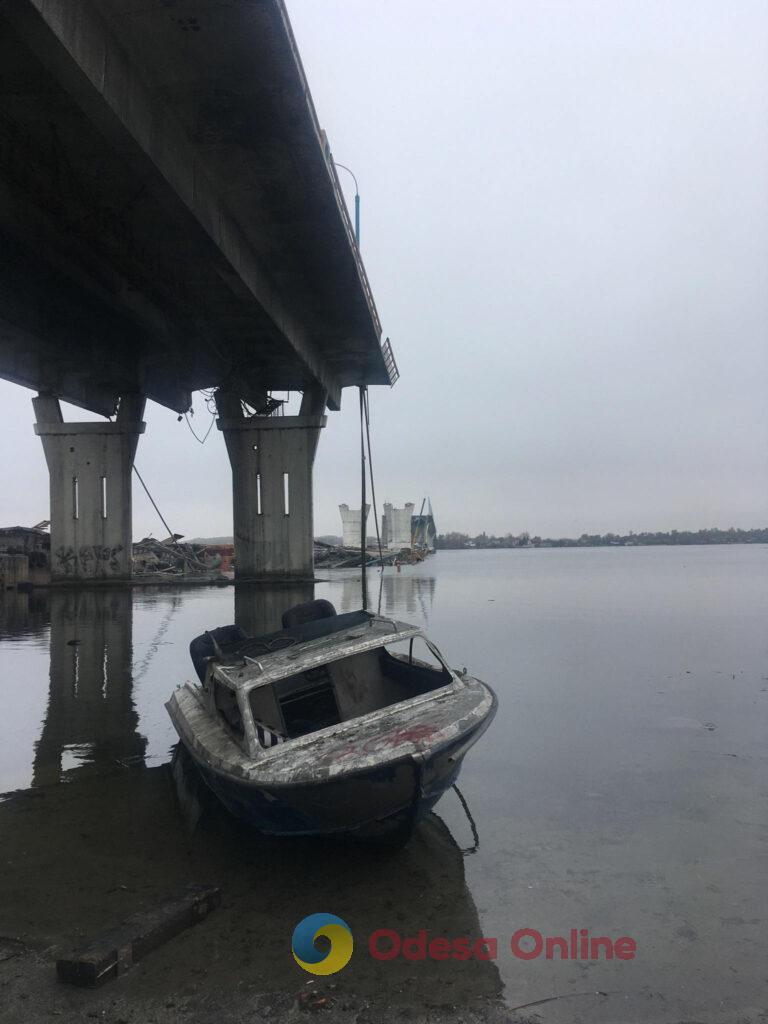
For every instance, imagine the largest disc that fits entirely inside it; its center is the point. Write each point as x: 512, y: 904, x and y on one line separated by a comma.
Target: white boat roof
x: 261, y: 669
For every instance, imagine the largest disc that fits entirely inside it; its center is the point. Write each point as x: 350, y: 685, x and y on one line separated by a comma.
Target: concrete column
x: 90, y: 468
x: 272, y: 459
x: 350, y: 524
x: 397, y: 526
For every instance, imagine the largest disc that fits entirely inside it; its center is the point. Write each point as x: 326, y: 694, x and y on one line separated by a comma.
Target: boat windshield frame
x: 266, y: 669
x: 252, y: 673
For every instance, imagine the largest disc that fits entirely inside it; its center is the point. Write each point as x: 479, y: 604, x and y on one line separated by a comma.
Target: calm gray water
x: 622, y: 787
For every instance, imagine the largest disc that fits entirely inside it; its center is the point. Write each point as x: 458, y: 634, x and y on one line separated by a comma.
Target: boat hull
x: 379, y: 802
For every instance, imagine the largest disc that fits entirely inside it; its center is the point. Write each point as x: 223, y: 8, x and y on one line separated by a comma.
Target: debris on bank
x: 172, y: 558
x: 335, y: 556
x: 25, y: 559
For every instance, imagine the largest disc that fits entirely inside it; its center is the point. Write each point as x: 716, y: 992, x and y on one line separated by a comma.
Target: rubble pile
x: 334, y: 556
x: 170, y: 557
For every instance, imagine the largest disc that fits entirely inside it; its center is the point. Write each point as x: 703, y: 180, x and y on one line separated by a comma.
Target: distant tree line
x: 454, y: 541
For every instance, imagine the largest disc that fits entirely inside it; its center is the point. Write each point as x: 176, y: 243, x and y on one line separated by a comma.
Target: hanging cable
x: 370, y: 473
x: 367, y: 411
x: 154, y: 505
x: 192, y: 429
x: 363, y: 552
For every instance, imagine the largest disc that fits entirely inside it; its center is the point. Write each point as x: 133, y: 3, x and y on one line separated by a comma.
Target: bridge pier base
x: 90, y: 468
x: 272, y: 459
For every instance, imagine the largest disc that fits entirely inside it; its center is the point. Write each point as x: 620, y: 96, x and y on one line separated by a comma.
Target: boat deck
x: 413, y: 728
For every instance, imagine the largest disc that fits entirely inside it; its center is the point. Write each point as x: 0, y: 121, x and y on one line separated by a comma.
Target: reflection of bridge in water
x: 23, y: 614
x: 396, y: 594
x: 91, y: 720
x: 259, y: 607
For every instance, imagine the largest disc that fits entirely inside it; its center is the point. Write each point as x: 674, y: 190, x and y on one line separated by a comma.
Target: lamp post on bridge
x: 357, y: 201
x: 363, y: 389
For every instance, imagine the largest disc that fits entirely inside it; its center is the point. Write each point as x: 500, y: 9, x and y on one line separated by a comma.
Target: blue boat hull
x: 378, y: 803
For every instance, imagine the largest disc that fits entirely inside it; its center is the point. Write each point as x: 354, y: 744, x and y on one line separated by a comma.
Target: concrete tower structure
x: 396, y: 526
x: 350, y: 522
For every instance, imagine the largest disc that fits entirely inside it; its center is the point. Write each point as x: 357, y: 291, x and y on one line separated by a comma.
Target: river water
x: 621, y: 789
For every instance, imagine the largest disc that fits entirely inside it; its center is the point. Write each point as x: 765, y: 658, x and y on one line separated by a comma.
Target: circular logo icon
x: 306, y: 954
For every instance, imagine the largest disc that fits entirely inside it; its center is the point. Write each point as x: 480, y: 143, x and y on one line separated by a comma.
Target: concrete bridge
x: 171, y: 219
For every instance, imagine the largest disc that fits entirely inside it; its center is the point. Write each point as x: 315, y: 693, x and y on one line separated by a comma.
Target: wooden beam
x: 115, y: 952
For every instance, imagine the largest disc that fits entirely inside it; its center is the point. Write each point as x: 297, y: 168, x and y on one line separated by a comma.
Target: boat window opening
x: 103, y: 497
x: 345, y: 689
x: 75, y: 498
x: 286, y: 495
x: 258, y: 494
x: 225, y: 701
x: 308, y: 701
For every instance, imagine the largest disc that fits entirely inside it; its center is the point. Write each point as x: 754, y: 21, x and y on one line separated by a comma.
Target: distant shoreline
x: 675, y: 538
x: 536, y: 547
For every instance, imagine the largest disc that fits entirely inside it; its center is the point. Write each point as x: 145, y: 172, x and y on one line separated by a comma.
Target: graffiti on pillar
x: 66, y: 561
x: 89, y: 560
x: 110, y: 555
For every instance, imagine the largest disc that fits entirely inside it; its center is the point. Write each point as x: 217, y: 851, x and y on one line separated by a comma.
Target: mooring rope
x: 475, y: 836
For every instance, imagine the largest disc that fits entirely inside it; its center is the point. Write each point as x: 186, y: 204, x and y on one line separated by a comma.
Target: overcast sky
x: 565, y: 223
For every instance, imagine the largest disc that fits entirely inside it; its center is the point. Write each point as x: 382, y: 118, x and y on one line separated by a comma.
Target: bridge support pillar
x: 272, y: 459
x: 90, y: 468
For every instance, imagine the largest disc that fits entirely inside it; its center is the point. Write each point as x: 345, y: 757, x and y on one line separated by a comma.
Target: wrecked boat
x: 350, y: 723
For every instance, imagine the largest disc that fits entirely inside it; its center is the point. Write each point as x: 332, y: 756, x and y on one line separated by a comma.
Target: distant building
x: 24, y: 556
x: 351, y: 527
x: 26, y: 540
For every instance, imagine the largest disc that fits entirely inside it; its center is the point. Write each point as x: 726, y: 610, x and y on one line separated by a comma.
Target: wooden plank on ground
x: 115, y: 951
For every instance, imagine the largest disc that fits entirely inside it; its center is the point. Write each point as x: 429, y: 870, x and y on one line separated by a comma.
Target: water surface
x: 621, y: 788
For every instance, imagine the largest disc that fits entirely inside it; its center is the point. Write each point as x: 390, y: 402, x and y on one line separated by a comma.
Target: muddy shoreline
x: 81, y: 857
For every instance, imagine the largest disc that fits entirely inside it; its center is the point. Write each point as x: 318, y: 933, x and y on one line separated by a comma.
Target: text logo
x: 308, y: 956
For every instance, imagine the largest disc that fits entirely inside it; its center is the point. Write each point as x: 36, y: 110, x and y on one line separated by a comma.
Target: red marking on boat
x: 412, y: 735
x: 391, y: 739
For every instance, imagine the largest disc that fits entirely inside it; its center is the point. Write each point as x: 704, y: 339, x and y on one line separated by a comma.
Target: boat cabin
x: 269, y: 690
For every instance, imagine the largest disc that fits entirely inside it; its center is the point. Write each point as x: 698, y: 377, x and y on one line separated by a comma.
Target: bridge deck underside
x: 168, y: 217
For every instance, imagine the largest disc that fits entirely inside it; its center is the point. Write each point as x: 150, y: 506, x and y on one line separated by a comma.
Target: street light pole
x: 363, y: 389
x: 357, y: 201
